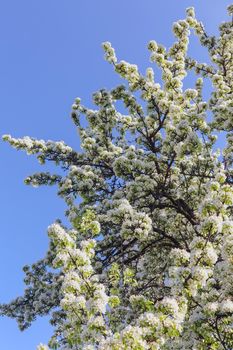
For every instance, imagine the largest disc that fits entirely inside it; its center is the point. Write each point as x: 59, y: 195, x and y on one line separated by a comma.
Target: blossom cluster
x: 146, y: 263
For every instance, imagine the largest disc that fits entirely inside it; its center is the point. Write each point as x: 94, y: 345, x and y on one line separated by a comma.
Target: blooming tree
x: 147, y: 262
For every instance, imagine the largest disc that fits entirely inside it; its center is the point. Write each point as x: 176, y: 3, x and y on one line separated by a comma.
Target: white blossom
x: 146, y: 259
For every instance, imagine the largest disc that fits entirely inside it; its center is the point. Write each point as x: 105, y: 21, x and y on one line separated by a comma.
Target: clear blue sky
x: 51, y: 53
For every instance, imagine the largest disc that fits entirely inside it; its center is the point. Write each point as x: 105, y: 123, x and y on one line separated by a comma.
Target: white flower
x: 227, y: 306
x: 42, y: 347
x: 211, y: 307
x: 170, y: 305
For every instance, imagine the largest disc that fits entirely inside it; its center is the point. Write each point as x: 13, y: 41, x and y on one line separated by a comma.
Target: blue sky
x: 51, y: 53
